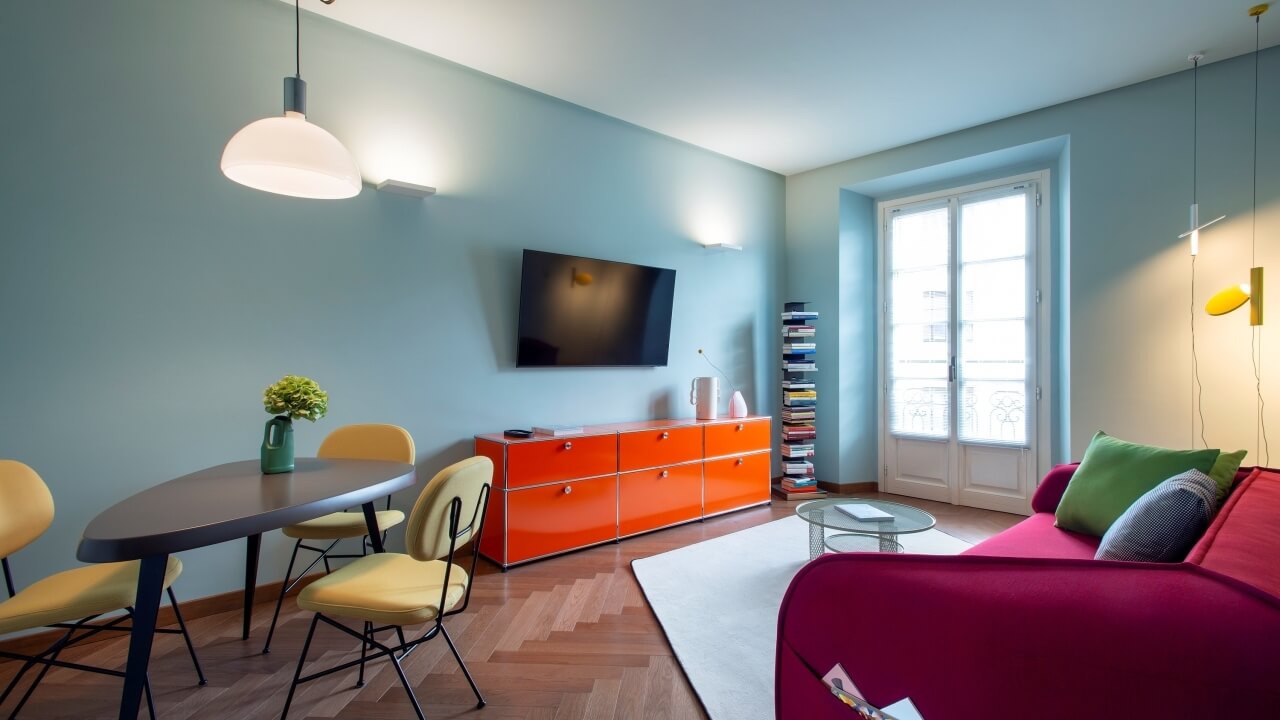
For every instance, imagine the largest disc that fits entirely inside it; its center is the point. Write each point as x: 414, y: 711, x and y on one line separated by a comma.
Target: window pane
x: 918, y: 323
x: 992, y: 351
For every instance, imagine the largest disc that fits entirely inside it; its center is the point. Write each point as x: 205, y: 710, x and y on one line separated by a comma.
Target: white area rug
x: 718, y: 604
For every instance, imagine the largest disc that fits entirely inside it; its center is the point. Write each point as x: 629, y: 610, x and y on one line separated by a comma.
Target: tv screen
x: 577, y: 311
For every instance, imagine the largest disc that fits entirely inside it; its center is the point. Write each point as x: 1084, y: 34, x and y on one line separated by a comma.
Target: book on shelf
x: 800, y: 403
x: 800, y: 315
x: 792, y: 488
x: 799, y: 366
x: 791, y: 450
x: 795, y: 348
x: 798, y: 384
x: 800, y: 417
x: 799, y: 330
x: 863, y: 512
x: 797, y: 393
x: 558, y: 430
x: 791, y: 481
x: 803, y: 466
x: 799, y: 432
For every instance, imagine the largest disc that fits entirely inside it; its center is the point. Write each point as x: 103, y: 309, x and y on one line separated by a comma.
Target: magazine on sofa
x: 848, y: 693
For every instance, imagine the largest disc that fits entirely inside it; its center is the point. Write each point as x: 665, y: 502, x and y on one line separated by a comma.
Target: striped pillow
x: 1163, y: 524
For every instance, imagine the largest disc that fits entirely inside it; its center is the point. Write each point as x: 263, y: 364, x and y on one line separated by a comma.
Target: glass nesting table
x: 860, y: 535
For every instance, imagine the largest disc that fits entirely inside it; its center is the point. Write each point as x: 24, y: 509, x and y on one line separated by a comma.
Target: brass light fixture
x: 1231, y: 298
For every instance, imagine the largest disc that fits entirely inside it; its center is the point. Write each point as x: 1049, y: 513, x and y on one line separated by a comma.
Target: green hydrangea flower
x: 297, y: 397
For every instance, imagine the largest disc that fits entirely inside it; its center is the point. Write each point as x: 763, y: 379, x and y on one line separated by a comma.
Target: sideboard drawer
x: 650, y: 499
x: 554, y: 518
x: 735, y: 482
x: 733, y: 438
x: 655, y: 448
x: 552, y: 460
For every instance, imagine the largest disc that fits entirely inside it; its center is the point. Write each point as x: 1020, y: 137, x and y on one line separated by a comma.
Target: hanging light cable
x: 1256, y: 272
x: 1197, y: 389
x: 288, y: 155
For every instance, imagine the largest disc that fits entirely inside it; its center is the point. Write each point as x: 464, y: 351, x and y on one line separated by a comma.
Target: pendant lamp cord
x: 1197, y: 390
x: 1256, y: 351
x: 297, y: 38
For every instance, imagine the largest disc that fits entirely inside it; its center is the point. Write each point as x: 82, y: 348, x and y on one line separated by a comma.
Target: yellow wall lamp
x: 1234, y: 297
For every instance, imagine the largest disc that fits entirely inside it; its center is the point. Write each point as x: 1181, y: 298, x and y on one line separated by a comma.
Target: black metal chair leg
x: 413, y: 699
x: 16, y: 679
x: 364, y: 648
x: 56, y: 648
x: 182, y: 625
x: 284, y: 587
x: 32, y: 688
x: 302, y: 659
x: 400, y: 634
x: 463, y: 665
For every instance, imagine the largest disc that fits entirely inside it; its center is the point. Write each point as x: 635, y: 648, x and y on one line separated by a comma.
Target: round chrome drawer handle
x: 666, y: 435
x: 568, y: 445
x: 740, y: 461
x: 740, y: 427
x: 664, y: 473
x: 568, y: 489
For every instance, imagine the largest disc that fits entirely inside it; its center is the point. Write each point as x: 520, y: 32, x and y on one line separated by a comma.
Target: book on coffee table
x: 863, y: 512
x: 843, y: 688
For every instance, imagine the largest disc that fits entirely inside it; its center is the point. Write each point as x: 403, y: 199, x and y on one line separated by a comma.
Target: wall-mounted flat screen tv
x: 577, y: 311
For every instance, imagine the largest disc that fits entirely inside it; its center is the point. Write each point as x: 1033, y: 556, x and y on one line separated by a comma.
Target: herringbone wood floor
x: 569, y: 637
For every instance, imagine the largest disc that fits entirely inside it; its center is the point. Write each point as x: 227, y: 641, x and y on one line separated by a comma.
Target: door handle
x: 951, y: 370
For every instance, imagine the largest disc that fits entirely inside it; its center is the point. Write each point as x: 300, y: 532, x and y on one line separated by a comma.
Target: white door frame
x: 1040, y: 287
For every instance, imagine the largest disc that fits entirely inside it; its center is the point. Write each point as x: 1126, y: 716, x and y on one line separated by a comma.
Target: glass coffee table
x: 860, y: 535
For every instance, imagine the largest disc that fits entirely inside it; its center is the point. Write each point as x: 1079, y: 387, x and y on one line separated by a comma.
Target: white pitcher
x: 704, y: 395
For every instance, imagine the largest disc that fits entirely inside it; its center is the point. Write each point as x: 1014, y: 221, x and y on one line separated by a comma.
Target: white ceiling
x: 790, y: 85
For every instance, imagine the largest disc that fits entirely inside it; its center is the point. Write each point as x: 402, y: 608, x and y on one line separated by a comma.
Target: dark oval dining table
x: 222, y: 503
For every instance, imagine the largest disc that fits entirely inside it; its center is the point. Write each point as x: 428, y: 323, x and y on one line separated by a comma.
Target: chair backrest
x: 426, y: 536
x: 26, y: 507
x: 369, y: 442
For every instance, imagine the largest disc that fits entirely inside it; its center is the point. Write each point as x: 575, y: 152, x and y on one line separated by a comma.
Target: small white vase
x: 737, y: 405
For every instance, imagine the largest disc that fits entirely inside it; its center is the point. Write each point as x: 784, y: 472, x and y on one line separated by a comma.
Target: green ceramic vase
x: 277, y: 445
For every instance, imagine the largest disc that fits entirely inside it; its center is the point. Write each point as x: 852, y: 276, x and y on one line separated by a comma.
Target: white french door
x: 960, y: 337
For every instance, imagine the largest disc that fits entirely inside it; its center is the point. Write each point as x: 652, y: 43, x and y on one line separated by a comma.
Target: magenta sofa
x: 1029, y: 625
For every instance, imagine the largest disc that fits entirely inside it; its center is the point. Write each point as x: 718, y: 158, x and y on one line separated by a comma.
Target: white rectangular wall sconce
x: 408, y: 189
x: 722, y: 246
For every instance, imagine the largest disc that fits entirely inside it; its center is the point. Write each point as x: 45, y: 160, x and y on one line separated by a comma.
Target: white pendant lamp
x: 289, y: 156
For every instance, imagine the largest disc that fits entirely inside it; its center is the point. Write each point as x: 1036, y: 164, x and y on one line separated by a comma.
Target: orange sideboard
x: 552, y: 495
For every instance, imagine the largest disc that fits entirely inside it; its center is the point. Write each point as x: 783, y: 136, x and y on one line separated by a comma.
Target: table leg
x: 817, y: 534
x: 146, y: 605
x: 371, y: 524
x: 252, y: 550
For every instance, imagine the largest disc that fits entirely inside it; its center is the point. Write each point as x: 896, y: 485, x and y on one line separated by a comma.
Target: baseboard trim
x: 848, y: 488
x: 191, y: 610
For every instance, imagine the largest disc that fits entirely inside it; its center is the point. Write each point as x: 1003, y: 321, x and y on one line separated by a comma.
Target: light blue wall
x: 145, y: 300
x: 1122, y: 301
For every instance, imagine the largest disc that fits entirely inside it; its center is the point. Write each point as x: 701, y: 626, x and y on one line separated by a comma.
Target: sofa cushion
x: 1036, y: 537
x: 1225, y: 469
x: 1243, y: 542
x: 1162, y: 525
x: 1115, y: 473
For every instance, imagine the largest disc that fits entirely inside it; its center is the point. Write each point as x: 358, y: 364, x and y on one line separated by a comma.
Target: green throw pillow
x: 1224, y: 471
x: 1115, y: 473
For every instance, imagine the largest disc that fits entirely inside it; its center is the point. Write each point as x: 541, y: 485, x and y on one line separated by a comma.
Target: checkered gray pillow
x: 1163, y: 525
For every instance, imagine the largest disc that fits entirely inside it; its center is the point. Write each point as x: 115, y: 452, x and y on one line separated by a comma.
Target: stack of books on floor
x: 799, y: 404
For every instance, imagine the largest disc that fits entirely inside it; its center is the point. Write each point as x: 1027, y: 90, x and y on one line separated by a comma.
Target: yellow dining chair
x: 69, y: 600
x: 353, y: 442
x: 388, y: 591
